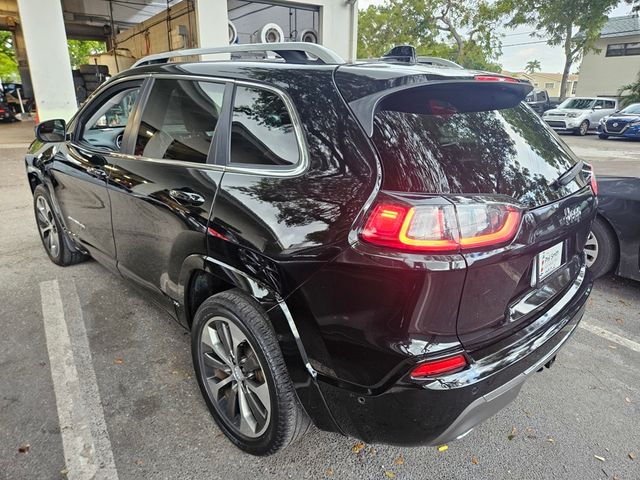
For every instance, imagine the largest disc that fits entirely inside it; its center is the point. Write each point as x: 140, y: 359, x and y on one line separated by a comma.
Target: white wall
x: 602, y: 75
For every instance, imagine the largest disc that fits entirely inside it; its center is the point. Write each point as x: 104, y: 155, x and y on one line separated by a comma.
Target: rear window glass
x: 508, y: 151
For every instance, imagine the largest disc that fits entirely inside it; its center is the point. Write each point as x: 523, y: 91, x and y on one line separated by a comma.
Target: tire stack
x: 87, y: 79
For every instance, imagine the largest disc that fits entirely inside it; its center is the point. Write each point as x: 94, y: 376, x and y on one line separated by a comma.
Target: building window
x: 549, y: 86
x: 573, y: 87
x: 623, y: 49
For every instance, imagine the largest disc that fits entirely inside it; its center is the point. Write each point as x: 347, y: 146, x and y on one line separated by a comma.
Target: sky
x: 514, y: 57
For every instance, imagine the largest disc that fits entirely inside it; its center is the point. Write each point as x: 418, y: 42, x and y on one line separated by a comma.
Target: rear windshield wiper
x: 569, y: 175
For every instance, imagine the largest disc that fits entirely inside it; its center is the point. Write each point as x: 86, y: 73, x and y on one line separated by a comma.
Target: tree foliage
x: 81, y: 50
x: 533, y: 66
x: 8, y: 63
x: 630, y: 93
x: 573, y: 24
x: 464, y: 32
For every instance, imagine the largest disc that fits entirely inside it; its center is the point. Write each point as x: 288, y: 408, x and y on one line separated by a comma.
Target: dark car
x: 539, y: 101
x: 614, y: 241
x: 625, y: 123
x: 386, y: 250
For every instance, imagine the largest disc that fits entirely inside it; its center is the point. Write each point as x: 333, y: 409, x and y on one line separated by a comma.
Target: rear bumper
x: 448, y: 407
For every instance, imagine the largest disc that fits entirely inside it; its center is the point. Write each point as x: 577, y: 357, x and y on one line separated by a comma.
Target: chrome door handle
x: 96, y: 172
x: 187, y: 198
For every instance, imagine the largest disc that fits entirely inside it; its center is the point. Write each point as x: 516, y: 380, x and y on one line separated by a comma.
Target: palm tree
x: 532, y: 66
x: 634, y: 92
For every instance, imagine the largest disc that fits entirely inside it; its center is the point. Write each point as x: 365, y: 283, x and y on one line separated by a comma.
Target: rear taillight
x: 495, y: 78
x: 441, y: 366
x: 594, y: 182
x: 441, y: 228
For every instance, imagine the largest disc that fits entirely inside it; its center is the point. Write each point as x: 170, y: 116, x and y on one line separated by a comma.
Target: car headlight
x: 603, y: 120
x: 635, y: 124
x: 572, y: 115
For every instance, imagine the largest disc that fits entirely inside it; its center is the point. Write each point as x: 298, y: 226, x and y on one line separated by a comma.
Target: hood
x: 625, y: 117
x: 564, y: 111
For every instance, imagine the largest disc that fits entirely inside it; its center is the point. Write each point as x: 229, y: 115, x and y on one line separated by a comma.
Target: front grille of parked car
x: 555, y: 123
x: 616, y: 126
x: 556, y: 114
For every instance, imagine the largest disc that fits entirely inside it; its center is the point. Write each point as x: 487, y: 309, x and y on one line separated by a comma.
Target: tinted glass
x: 632, y: 48
x: 631, y: 109
x: 615, y: 50
x: 509, y: 151
x: 609, y: 104
x: 262, y: 133
x: 577, y: 103
x: 104, y: 128
x: 179, y: 120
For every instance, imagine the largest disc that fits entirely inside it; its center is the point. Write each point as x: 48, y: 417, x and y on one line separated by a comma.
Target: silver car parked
x: 580, y: 114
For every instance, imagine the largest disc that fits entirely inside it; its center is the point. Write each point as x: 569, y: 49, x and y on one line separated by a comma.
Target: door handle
x: 96, y: 172
x: 186, y: 198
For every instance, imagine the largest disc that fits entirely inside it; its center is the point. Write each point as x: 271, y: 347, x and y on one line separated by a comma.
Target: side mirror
x: 52, y: 131
x: 598, y: 107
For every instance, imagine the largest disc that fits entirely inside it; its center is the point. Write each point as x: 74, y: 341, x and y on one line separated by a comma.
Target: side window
x: 179, y: 120
x: 104, y: 128
x: 262, y: 132
x: 609, y: 104
x: 599, y: 103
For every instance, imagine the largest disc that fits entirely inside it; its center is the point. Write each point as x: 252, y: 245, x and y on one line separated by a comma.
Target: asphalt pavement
x: 85, y: 357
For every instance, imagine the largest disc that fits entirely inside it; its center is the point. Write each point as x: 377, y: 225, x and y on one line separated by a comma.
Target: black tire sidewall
x: 263, y: 444
x: 607, y: 249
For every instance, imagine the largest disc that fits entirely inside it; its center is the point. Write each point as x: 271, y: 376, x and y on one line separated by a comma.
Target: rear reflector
x: 594, y: 182
x: 439, y: 367
x: 441, y: 228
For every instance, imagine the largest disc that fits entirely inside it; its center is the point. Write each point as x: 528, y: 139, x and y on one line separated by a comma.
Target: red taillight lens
x: 594, y: 182
x: 441, y: 228
x: 494, y: 78
x: 439, y: 367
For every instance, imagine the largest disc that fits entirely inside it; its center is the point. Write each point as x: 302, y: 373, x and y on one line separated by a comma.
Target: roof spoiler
x: 478, y: 93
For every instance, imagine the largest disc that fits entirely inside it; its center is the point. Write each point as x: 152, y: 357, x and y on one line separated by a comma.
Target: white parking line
x: 85, y: 439
x: 612, y: 337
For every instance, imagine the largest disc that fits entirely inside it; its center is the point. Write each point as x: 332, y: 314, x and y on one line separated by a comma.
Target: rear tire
x: 54, y: 239
x: 583, y: 129
x: 601, y: 248
x: 242, y: 375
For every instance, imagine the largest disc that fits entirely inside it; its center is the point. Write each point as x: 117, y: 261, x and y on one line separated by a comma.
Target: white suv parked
x: 580, y: 114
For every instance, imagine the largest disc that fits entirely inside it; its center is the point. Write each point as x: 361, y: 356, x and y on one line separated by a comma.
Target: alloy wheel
x: 47, y: 226
x: 584, y: 128
x: 235, y: 378
x: 591, y: 249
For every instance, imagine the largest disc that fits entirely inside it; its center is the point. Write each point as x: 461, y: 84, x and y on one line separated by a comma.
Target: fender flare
x: 303, y: 375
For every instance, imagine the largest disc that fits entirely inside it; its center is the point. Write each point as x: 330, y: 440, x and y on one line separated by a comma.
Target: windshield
x: 577, y: 103
x: 633, y: 109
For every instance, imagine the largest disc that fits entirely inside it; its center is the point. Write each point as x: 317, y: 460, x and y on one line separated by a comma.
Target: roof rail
x: 292, y: 52
x: 441, y: 62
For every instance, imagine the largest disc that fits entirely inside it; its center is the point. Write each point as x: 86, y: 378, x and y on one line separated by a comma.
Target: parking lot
x: 131, y: 383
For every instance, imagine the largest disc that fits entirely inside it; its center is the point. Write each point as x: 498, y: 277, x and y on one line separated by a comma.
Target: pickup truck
x: 539, y: 101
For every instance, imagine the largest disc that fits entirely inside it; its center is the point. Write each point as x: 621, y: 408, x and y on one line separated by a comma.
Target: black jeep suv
x: 385, y: 249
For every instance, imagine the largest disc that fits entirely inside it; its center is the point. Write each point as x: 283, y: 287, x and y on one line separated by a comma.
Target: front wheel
x: 242, y: 375
x: 51, y: 232
x: 582, y: 129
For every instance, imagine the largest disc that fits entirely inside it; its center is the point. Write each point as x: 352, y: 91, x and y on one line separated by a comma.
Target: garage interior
x: 132, y: 29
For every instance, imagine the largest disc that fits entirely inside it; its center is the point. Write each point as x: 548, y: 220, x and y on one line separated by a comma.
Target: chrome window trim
x: 276, y: 171
x: 300, y: 167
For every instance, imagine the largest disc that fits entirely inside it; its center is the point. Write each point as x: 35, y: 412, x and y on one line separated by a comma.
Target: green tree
x: 573, y: 24
x: 8, y: 63
x: 630, y: 93
x: 81, y: 50
x: 532, y: 66
x: 464, y: 32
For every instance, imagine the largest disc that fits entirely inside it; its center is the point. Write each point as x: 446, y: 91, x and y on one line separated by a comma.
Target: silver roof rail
x: 293, y: 52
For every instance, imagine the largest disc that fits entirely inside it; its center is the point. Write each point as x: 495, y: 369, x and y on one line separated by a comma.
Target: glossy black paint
x: 619, y: 205
x: 352, y: 319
